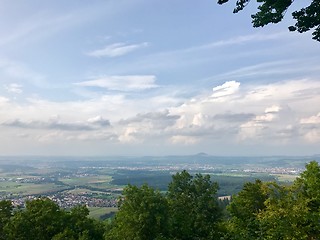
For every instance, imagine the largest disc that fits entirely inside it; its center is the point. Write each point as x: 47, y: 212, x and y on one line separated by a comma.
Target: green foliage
x: 271, y: 211
x: 194, y: 208
x: 83, y: 227
x: 244, y: 209
x: 272, y: 11
x: 229, y: 184
x: 5, y: 215
x: 284, y: 214
x: 308, y: 18
x: 189, y: 210
x: 307, y: 191
x: 143, y: 215
x: 42, y: 219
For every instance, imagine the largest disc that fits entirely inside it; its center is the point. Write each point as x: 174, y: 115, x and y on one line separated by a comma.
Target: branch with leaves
x: 273, y: 11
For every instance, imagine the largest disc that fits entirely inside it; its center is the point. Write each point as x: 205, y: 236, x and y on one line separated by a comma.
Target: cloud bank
x: 284, y: 113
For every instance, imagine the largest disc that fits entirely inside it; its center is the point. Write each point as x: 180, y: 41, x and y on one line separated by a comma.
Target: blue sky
x: 141, y: 77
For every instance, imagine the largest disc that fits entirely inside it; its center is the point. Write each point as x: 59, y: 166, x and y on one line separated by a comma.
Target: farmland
x: 98, y: 182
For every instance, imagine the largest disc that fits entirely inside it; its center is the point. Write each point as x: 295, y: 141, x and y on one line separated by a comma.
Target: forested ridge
x: 189, y: 209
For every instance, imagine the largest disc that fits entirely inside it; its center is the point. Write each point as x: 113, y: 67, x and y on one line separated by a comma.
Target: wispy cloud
x: 3, y: 100
x: 35, y: 27
x: 195, y: 55
x: 272, y: 70
x: 31, y: 25
x: 117, y: 49
x: 55, y: 124
x: 242, y: 39
x: 122, y: 83
x: 14, y: 88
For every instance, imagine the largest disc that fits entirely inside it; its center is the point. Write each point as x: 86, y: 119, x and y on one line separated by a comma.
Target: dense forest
x: 189, y: 209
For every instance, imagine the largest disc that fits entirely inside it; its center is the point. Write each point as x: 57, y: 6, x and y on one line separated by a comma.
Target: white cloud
x: 128, y: 135
x: 56, y: 124
x: 311, y: 120
x: 186, y: 140
x: 98, y: 120
x: 198, y: 119
x: 14, y: 88
x: 259, y: 126
x: 3, y: 100
x: 292, y: 91
x: 154, y: 120
x: 117, y: 49
x: 313, y: 136
x: 252, y: 112
x: 273, y: 109
x: 226, y: 89
x: 259, y: 37
x: 265, y: 118
x: 122, y: 83
x: 310, y: 128
x: 282, y: 112
x: 250, y: 130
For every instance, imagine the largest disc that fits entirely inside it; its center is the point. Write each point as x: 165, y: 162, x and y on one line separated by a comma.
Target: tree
x: 273, y: 11
x: 273, y: 211
x: 143, y: 215
x: 5, y: 215
x: 81, y: 226
x: 307, y: 188
x: 244, y: 209
x: 190, y: 210
x: 194, y: 207
x: 42, y: 219
x: 284, y: 214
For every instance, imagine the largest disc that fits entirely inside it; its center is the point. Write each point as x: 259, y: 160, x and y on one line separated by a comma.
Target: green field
x: 93, y: 181
x: 14, y: 185
x: 28, y: 188
x: 285, y: 177
x: 99, y: 212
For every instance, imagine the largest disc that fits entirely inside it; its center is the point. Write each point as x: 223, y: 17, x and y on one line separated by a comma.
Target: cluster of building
x: 69, y: 200
x: 28, y: 179
x: 275, y: 170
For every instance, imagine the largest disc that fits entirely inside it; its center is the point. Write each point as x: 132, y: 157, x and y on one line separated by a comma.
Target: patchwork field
x: 98, y: 182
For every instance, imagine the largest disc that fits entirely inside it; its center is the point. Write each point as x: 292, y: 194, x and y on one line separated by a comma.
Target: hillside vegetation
x: 189, y: 209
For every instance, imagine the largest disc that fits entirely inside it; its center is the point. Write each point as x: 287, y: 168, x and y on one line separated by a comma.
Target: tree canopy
x: 273, y: 11
x: 42, y: 219
x: 194, y: 210
x: 188, y: 211
x: 272, y: 211
x: 143, y: 215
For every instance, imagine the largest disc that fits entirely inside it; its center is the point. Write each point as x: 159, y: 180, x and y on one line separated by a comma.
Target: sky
x: 154, y: 77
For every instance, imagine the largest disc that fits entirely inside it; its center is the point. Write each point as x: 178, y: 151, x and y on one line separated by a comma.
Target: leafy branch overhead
x: 273, y: 11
